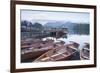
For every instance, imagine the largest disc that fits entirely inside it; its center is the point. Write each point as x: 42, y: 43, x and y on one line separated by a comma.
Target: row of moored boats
x: 38, y: 50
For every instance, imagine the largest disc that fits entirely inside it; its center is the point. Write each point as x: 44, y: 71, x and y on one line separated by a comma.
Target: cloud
x: 56, y: 16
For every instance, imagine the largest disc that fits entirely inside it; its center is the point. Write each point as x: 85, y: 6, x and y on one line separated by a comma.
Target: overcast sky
x: 42, y: 16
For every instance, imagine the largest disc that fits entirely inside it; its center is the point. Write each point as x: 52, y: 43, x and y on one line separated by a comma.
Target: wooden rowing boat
x: 59, y: 53
x: 84, y: 53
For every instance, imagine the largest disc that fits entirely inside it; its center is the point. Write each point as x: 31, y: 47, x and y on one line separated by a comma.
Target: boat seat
x: 86, y: 49
x: 64, y: 55
x: 72, y: 47
x: 45, y: 58
x: 55, y: 55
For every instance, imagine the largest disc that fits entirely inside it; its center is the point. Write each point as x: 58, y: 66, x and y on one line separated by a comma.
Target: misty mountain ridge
x: 59, y: 24
x: 73, y: 28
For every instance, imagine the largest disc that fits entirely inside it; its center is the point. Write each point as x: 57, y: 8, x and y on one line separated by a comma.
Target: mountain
x: 70, y: 26
x: 53, y: 24
x: 61, y: 24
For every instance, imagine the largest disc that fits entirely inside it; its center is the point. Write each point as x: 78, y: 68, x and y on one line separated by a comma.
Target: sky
x: 44, y: 16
